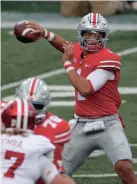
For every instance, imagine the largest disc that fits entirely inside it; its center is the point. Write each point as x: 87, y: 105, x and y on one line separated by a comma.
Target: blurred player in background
x: 25, y: 157
x: 50, y: 125
x: 56, y: 129
x: 94, y: 71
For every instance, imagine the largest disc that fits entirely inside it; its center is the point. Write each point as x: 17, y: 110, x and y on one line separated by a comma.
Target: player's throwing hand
x: 68, y: 52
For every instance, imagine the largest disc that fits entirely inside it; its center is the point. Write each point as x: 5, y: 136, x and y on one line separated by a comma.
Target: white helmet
x: 37, y: 92
x: 92, y: 22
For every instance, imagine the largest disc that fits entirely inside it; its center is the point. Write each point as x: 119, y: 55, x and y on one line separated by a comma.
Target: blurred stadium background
x: 20, y: 61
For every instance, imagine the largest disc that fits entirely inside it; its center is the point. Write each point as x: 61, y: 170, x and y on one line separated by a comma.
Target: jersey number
x: 52, y: 121
x: 19, y: 160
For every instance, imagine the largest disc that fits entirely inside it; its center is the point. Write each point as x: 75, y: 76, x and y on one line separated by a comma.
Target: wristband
x: 68, y: 66
x: 48, y: 35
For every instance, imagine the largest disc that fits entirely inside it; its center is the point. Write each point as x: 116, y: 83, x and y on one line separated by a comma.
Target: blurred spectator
x: 131, y: 5
x: 80, y: 8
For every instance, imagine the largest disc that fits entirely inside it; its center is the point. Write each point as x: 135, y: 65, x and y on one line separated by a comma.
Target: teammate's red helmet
x: 19, y: 114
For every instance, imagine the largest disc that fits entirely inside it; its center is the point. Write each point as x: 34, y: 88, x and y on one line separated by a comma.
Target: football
x: 22, y: 32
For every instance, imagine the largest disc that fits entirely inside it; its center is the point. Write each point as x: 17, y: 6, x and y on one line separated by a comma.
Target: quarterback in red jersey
x: 94, y: 72
x: 103, y: 63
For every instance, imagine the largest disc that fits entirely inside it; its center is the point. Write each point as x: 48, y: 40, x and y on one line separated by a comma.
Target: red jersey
x: 58, y: 131
x: 55, y: 128
x: 106, y: 100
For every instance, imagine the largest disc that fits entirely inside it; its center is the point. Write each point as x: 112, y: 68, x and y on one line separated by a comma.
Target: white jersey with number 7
x: 24, y: 159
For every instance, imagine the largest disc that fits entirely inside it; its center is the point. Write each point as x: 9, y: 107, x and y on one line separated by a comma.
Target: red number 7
x: 18, y: 162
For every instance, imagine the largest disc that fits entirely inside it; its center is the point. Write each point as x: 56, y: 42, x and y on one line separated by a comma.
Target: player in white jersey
x: 24, y: 156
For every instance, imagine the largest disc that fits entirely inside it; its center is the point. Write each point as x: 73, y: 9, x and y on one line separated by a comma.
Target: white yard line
x: 41, y: 76
x: 107, y: 175
x: 68, y: 103
x: 135, y: 160
x: 133, y: 145
x: 127, y: 51
x: 60, y: 71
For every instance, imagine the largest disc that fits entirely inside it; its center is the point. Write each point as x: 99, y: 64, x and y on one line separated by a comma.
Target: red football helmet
x: 19, y: 114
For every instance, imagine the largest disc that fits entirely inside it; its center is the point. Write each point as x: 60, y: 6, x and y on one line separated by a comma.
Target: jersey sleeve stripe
x: 64, y: 138
x: 109, y: 66
x: 63, y: 134
x: 110, y: 62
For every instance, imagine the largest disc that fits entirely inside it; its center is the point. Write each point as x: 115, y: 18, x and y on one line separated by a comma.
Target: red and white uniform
x: 58, y: 131
x: 106, y: 100
x: 2, y: 105
x: 24, y: 159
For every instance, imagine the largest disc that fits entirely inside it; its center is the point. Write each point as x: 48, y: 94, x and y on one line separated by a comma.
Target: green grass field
x: 20, y: 61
